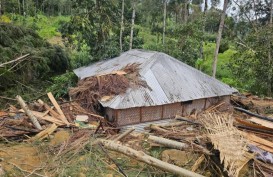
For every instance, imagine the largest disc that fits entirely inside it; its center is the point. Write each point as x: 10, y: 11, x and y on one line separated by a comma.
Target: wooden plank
x: 260, y: 142
x: 52, y: 112
x: 241, y: 121
x: 58, y: 108
x: 43, y: 134
x: 41, y: 115
x: 264, y: 123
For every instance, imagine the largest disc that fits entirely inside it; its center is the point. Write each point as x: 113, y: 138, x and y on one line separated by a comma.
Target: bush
x: 62, y: 83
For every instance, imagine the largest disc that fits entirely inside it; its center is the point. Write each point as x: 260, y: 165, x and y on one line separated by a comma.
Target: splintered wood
x: 228, y: 140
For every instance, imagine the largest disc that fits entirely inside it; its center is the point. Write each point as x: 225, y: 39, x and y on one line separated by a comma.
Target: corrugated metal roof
x: 169, y: 80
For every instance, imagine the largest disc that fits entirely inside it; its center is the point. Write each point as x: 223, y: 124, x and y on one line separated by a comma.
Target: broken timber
x: 56, y: 105
x: 43, y: 134
x: 28, y: 112
x: 141, y: 156
x: 253, y: 114
x: 127, y: 132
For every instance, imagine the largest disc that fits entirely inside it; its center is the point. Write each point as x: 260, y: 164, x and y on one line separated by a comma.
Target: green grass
x: 46, y: 27
x: 223, y: 73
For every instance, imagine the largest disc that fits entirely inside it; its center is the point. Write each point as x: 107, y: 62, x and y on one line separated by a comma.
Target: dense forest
x: 227, y: 39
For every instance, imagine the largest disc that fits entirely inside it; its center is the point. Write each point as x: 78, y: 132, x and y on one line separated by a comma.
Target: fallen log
x: 124, y: 134
x: 28, y: 112
x: 141, y: 156
x: 167, y: 142
x: 253, y: 114
x: 172, y: 124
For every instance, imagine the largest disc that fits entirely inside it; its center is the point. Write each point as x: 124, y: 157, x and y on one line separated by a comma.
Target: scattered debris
x: 212, y: 142
x: 141, y: 156
x: 90, y: 90
x: 228, y: 140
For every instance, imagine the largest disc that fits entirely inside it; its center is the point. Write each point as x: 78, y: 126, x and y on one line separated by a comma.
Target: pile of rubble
x: 224, y: 143
x: 41, y: 119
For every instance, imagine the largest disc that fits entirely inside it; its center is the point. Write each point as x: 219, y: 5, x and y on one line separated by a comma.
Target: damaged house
x: 162, y: 88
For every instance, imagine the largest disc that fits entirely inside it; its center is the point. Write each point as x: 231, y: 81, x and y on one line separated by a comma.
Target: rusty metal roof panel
x: 169, y: 80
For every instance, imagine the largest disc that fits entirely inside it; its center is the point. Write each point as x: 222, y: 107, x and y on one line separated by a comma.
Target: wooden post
x: 141, y: 156
x: 28, y: 112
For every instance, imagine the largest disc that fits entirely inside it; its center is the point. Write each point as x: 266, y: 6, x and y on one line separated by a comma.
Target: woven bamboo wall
x: 128, y: 116
x: 152, y: 113
x: 171, y: 110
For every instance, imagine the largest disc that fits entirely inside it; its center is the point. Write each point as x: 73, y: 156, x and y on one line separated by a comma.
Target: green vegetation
x: 46, y: 27
x: 88, y: 31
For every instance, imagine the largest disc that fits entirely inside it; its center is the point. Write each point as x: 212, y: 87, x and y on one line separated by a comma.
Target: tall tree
x: 121, y: 25
x: 0, y: 7
x: 219, y: 36
x: 186, y: 11
x: 203, y: 28
x: 133, y: 24
x: 164, y: 21
x: 269, y: 89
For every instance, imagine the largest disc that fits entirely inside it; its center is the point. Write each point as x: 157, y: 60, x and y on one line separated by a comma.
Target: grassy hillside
x: 46, y: 27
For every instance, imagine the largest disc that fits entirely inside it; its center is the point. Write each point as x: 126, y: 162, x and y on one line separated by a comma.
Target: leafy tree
x: 44, y: 62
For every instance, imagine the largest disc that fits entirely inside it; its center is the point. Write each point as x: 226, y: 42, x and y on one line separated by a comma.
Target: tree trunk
x: 168, y: 143
x: 218, y: 40
x: 0, y: 7
x: 133, y: 24
x: 164, y: 22
x: 269, y: 89
x: 19, y: 5
x: 24, y: 8
x: 203, y: 30
x: 121, y: 26
x: 186, y: 11
x: 28, y: 112
x: 141, y: 156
